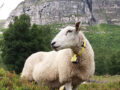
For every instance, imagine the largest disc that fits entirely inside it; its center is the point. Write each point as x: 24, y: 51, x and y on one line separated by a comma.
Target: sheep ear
x: 77, y: 26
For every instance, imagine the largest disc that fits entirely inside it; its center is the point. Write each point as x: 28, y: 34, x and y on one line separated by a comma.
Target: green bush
x: 21, y: 40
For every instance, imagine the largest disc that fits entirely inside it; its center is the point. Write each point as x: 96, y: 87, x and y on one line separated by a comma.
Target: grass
x: 12, y: 81
x: 103, y: 83
x: 104, y: 35
x: 97, y: 86
x: 1, y: 36
x: 105, y: 40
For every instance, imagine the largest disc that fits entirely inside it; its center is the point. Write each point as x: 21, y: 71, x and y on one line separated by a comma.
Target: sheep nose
x: 52, y: 44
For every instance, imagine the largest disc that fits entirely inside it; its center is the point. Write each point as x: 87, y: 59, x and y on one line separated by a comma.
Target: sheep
x: 56, y: 68
x: 29, y: 65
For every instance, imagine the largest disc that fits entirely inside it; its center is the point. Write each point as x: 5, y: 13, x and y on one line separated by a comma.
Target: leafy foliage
x: 21, y: 40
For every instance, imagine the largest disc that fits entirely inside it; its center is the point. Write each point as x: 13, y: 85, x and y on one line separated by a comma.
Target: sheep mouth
x: 55, y: 48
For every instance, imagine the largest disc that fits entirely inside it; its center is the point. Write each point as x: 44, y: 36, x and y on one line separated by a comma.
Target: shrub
x: 21, y: 39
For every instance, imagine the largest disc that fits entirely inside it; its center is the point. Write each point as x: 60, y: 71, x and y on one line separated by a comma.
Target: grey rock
x: 69, y: 11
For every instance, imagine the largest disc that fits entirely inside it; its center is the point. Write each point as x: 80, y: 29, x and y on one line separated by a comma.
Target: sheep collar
x: 74, y: 58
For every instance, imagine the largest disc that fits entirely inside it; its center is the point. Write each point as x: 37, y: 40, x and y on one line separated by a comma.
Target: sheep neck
x: 78, y: 46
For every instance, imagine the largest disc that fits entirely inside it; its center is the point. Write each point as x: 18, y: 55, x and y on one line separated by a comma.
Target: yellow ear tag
x: 74, y: 58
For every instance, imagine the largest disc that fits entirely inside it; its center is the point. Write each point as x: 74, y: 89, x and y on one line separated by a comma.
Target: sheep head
x: 68, y: 37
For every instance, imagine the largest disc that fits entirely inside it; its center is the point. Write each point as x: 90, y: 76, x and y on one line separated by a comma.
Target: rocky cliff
x: 69, y: 11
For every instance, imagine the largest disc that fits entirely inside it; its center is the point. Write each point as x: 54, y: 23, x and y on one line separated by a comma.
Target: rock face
x: 69, y: 11
x: 107, y: 11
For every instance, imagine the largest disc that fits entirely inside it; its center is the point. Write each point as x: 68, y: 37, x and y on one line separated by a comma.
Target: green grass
x: 101, y: 86
x: 1, y: 29
x: 12, y: 81
x: 1, y: 36
x: 105, y: 40
x: 104, y: 35
x: 103, y: 83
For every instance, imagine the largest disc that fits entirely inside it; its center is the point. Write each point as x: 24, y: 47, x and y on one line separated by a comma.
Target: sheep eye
x: 69, y: 31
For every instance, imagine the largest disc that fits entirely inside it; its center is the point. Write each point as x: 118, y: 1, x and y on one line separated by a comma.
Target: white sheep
x: 56, y: 68
x: 30, y: 64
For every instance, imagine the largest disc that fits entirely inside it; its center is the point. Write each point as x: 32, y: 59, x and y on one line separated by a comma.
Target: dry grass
x: 12, y: 81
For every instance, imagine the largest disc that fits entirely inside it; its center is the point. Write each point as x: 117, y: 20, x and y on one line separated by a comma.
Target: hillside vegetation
x: 12, y: 81
x: 105, y: 40
x: 23, y: 38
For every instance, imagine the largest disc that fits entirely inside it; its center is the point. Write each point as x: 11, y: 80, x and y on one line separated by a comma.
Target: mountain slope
x: 66, y: 11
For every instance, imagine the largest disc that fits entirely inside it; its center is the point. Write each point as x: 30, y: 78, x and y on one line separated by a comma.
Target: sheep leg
x: 68, y: 86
